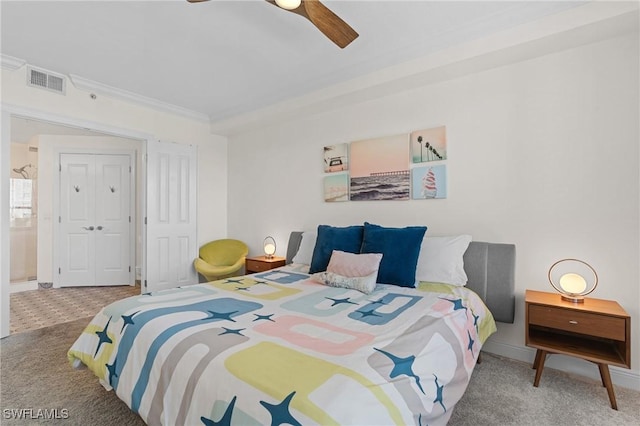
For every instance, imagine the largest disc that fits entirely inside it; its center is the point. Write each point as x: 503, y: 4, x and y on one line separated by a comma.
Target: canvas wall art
x: 336, y: 188
x: 428, y: 145
x: 380, y: 169
x: 336, y: 158
x: 429, y: 182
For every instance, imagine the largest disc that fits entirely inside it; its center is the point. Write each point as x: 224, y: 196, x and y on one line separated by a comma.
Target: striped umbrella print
x: 429, y: 189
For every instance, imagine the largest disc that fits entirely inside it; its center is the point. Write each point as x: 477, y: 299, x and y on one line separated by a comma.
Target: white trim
x: 143, y: 213
x: 5, y: 167
x: 629, y: 379
x: 131, y: 153
x: 11, y: 63
x: 63, y: 120
x: 82, y: 83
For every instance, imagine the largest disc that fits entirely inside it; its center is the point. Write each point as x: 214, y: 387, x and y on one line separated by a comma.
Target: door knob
x: 90, y: 228
x: 99, y: 228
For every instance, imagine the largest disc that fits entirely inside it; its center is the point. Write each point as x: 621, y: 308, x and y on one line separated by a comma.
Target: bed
x: 280, y: 348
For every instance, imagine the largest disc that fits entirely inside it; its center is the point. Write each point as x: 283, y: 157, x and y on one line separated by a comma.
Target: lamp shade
x: 573, y: 279
x: 288, y: 4
x: 269, y: 247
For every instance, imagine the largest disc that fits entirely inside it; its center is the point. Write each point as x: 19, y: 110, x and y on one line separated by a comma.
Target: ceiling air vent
x: 46, y: 80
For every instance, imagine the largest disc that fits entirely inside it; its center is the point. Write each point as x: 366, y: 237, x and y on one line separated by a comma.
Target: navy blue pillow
x: 330, y: 238
x: 400, y: 248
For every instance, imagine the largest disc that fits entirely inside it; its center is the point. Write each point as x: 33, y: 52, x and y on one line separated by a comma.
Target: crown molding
x: 11, y: 63
x: 82, y: 83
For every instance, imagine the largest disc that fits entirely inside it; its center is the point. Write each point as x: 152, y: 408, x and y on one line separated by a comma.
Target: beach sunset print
x: 380, y: 169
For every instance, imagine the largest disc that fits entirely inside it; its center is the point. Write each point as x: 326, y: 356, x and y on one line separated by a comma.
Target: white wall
x: 542, y: 153
x: 106, y: 111
x: 132, y: 119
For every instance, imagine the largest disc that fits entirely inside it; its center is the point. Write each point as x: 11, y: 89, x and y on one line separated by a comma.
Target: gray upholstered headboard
x: 490, y: 269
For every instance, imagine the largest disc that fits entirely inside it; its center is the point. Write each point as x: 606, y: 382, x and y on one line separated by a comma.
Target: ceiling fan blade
x: 329, y: 23
x: 325, y: 20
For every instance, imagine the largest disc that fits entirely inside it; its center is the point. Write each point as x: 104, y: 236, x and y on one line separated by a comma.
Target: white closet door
x: 77, y: 215
x: 113, y: 220
x: 171, y: 215
x: 95, y: 220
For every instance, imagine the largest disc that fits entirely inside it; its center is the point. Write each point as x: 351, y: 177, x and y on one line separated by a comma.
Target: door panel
x: 77, y: 208
x: 171, y: 216
x: 113, y: 223
x: 95, y: 220
x: 79, y: 248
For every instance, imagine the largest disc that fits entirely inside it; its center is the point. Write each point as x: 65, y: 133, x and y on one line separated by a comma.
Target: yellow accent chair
x: 221, y: 259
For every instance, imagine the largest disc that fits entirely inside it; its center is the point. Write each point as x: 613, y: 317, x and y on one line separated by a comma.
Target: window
x: 21, y: 199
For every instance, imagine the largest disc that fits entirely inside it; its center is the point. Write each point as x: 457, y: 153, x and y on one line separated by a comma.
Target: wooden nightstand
x: 596, y: 330
x: 261, y: 264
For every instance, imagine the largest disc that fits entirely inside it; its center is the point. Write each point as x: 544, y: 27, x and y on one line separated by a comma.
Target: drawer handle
x: 574, y: 322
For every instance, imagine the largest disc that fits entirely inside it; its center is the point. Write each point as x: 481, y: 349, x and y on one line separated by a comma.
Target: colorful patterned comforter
x: 276, y: 348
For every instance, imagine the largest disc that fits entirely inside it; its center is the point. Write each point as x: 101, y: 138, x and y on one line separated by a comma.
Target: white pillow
x: 441, y: 260
x: 305, y: 252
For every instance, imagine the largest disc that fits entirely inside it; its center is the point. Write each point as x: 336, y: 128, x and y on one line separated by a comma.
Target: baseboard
x: 629, y: 379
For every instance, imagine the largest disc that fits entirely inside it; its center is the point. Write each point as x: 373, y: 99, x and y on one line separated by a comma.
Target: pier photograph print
x: 380, y: 169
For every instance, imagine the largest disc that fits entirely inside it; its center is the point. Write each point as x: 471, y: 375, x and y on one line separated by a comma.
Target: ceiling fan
x: 324, y: 19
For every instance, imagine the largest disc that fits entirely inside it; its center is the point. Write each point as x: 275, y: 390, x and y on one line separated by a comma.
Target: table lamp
x: 269, y: 247
x: 573, y: 279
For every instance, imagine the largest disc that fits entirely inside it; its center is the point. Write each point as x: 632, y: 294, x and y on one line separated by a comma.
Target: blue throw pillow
x: 330, y: 238
x: 400, y: 248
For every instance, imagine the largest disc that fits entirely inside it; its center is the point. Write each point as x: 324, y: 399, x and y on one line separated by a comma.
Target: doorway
x: 53, y: 134
x: 95, y: 194
x: 110, y: 136
x: 23, y: 222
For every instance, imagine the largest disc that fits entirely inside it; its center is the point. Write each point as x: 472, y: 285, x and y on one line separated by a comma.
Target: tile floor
x: 44, y: 307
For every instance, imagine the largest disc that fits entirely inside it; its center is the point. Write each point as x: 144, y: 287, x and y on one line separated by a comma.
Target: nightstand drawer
x: 591, y: 324
x: 257, y: 266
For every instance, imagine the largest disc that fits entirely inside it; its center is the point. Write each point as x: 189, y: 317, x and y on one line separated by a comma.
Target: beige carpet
x: 35, y: 373
x: 35, y: 309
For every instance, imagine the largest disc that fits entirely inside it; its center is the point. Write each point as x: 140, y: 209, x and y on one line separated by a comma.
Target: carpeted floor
x: 501, y: 392
x: 35, y: 309
x: 35, y: 374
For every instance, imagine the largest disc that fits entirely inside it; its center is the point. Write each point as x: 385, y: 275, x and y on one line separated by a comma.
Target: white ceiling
x: 225, y: 58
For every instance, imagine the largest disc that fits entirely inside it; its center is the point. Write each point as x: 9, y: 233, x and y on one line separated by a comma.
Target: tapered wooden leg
x: 537, y: 360
x: 604, y: 385
x: 479, y: 360
x: 541, y: 357
x: 606, y: 379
